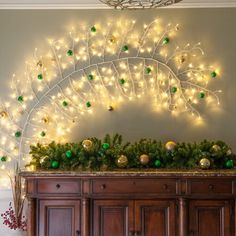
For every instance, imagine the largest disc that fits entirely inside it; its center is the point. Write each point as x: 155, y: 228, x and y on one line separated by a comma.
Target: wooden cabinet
x: 131, y: 203
x: 134, y: 218
x: 113, y: 217
x: 59, y: 218
x: 155, y: 217
x: 207, y: 218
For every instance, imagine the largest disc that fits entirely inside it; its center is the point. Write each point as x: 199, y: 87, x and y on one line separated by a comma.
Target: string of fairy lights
x: 103, y: 65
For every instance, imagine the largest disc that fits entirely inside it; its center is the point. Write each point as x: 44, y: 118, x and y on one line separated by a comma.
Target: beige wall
x: 21, y: 31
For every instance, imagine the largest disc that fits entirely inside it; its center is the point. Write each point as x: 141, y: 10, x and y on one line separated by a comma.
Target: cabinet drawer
x: 210, y: 187
x: 58, y: 186
x: 135, y: 186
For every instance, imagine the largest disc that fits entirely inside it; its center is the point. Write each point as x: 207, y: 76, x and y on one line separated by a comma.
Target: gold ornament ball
x: 33, y: 167
x: 204, y: 163
x: 170, y: 146
x: 182, y: 59
x: 144, y: 159
x: 229, y: 152
x: 3, y: 114
x: 87, y: 144
x: 122, y: 161
x: 110, y: 108
x: 112, y: 40
x: 45, y: 119
x: 40, y: 63
x: 104, y: 167
x: 216, y: 148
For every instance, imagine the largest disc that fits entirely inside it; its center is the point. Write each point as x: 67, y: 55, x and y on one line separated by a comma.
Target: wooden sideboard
x: 130, y: 203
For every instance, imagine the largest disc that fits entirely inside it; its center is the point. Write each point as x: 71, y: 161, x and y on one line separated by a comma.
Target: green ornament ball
x: 93, y: 29
x: 20, y: 98
x: 40, y: 76
x: 148, y: 70
x: 157, y: 163
x: 166, y: 40
x: 229, y: 164
x: 69, y: 154
x: 125, y: 48
x: 18, y: 134
x: 88, y: 104
x: 69, y: 53
x: 90, y: 77
x: 43, y: 134
x: 201, y: 95
x: 65, y: 104
x: 105, y: 146
x: 3, y: 158
x: 213, y: 74
x: 121, y: 81
x: 55, y: 164
x: 173, y: 89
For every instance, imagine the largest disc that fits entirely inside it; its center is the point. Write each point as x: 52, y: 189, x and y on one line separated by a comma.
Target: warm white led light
x: 98, y: 66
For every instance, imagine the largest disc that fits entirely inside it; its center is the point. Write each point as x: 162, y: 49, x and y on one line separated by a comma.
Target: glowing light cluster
x: 101, y: 65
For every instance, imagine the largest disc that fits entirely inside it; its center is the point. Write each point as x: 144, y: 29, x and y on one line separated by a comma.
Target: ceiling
x: 90, y: 4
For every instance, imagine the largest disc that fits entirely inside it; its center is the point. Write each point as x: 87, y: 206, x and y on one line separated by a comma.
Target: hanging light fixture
x: 138, y: 4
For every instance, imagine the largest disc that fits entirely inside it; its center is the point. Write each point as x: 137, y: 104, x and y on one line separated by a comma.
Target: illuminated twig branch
x: 133, y: 71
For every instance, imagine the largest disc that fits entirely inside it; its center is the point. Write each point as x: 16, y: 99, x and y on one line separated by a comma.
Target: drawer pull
x: 210, y: 186
x: 103, y: 186
x: 58, y: 186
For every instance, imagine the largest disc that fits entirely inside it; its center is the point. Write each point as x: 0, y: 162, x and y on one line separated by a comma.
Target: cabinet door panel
x: 209, y: 218
x: 59, y: 217
x: 113, y: 217
x: 155, y: 217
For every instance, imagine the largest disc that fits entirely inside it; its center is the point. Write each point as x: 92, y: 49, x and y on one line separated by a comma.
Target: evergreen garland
x: 103, y: 155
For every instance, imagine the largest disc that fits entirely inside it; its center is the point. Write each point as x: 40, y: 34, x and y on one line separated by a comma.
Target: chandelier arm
x: 137, y: 4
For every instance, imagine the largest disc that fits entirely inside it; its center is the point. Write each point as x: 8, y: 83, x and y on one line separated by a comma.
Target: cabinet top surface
x: 131, y: 173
